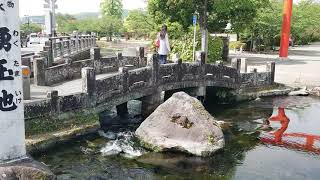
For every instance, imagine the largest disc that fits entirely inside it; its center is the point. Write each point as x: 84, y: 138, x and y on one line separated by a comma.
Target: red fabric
x: 157, y: 43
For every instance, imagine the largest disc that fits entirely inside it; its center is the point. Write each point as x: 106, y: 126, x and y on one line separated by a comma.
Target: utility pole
x: 52, y: 6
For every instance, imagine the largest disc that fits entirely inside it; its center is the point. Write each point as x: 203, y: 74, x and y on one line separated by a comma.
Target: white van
x: 34, y: 38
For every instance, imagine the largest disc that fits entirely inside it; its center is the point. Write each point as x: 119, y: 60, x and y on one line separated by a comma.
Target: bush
x: 184, y: 47
x: 215, y: 49
x: 237, y: 45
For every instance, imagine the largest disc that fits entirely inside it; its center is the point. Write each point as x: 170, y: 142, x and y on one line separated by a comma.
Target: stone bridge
x: 145, y: 83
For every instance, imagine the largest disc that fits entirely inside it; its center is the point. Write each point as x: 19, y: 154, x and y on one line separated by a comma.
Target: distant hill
x: 79, y: 16
x: 85, y: 15
x: 33, y: 19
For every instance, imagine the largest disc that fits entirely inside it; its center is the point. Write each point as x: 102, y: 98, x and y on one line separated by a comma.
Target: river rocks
x: 315, y: 91
x: 25, y: 170
x: 123, y: 145
x: 302, y: 92
x: 181, y: 124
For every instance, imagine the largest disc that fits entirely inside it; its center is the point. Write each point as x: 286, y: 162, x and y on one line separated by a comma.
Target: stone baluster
x: 154, y: 61
x: 88, y: 75
x: 244, y: 65
x: 95, y: 56
x: 125, y: 78
x: 61, y: 47
x: 54, y: 101
x: 39, y: 72
x: 119, y: 59
x: 271, y: 67
x: 49, y: 50
x: 180, y: 70
x: 236, y: 64
x: 69, y: 46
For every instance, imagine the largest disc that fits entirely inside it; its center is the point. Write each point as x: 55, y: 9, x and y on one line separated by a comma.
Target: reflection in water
x: 245, y: 156
x: 299, y: 141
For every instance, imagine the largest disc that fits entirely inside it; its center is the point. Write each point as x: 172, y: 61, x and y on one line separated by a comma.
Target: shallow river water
x: 249, y: 153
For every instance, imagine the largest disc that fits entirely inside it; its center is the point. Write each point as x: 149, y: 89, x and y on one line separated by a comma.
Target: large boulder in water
x: 181, y: 124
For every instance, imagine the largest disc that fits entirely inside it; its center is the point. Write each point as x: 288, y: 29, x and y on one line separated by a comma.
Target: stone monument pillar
x: 12, y: 132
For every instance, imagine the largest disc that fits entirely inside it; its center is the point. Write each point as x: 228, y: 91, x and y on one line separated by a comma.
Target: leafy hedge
x: 184, y: 47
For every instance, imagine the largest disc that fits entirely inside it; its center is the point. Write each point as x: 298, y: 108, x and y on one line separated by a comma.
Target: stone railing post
x: 244, y: 65
x: 95, y: 53
x: 61, y: 47
x: 180, y: 73
x: 140, y: 53
x: 95, y: 57
x: 125, y: 78
x: 119, y: 59
x: 68, y: 46
x: 202, y: 64
x: 26, y: 82
x: 88, y: 75
x: 54, y: 101
x: 236, y: 64
x: 154, y: 61
x: 271, y: 67
x: 39, y: 72
x: 54, y: 48
x: 49, y: 49
x: 255, y: 76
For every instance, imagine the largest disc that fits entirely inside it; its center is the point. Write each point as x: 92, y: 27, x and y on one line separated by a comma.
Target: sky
x: 35, y: 7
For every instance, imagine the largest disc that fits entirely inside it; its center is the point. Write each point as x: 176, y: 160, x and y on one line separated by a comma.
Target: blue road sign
x: 194, y: 19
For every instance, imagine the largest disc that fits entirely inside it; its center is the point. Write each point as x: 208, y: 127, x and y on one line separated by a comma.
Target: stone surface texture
x: 26, y: 169
x: 181, y: 124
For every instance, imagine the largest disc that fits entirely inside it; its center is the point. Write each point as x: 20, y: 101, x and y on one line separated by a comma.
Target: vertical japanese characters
x: 10, y: 99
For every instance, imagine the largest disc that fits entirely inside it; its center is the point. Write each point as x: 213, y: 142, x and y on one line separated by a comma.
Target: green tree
x: 112, y: 16
x: 112, y: 8
x: 30, y: 28
x: 220, y: 12
x: 139, y: 23
x: 267, y: 25
x: 109, y: 26
x: 66, y: 23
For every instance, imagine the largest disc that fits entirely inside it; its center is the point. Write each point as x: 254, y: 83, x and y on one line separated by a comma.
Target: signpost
x: 194, y: 21
x: 12, y: 130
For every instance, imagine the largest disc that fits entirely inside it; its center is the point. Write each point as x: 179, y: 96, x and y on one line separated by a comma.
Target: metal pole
x: 286, y: 27
x: 194, y: 39
x: 53, y: 9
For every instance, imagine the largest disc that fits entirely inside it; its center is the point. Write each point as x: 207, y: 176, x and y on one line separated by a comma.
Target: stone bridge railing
x: 58, y: 48
x: 70, y: 69
x: 146, y: 84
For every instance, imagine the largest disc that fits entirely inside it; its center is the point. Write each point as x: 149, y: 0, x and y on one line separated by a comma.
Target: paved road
x: 301, y: 69
x: 65, y: 88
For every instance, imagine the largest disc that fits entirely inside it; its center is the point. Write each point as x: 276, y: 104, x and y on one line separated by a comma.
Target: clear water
x: 244, y: 157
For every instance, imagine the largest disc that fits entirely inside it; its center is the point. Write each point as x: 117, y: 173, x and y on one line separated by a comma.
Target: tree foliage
x: 305, y: 26
x: 30, y: 28
x: 112, y: 8
x: 139, y: 23
x: 66, y: 23
x: 220, y: 12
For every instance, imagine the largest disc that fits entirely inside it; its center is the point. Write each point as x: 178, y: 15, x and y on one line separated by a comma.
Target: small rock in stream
x: 109, y: 135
